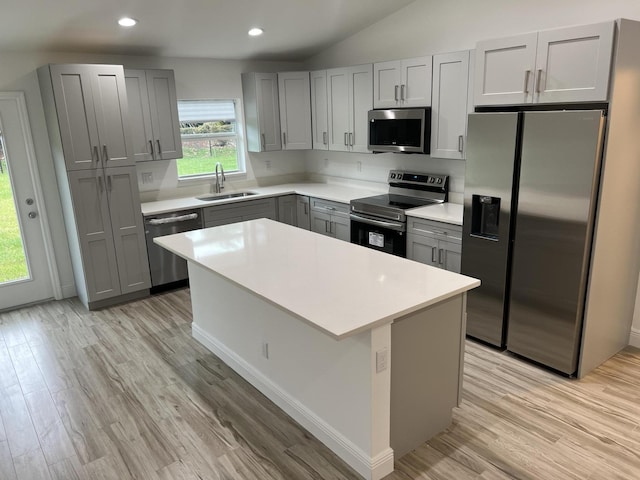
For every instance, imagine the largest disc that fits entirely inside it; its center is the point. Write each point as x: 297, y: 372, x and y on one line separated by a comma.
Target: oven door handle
x: 397, y: 226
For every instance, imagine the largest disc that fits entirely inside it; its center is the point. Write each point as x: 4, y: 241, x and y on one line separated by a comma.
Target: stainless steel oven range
x: 380, y: 222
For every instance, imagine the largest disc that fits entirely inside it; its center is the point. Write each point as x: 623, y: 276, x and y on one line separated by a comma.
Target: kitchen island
x: 362, y: 348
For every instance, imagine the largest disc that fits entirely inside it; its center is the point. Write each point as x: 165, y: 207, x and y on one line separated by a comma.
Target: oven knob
x: 432, y: 180
x: 393, y: 175
x: 439, y: 180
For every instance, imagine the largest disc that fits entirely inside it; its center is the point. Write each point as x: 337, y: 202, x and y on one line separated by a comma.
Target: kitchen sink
x: 212, y: 197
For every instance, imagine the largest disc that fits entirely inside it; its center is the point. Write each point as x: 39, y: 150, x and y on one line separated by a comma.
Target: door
x: 415, y: 90
x: 340, y: 228
x: 139, y: 115
x: 422, y: 249
x: 295, y: 110
x: 163, y: 105
x: 127, y: 227
x: 319, y: 125
x: 450, y: 254
x: 386, y: 81
x: 491, y: 154
x: 321, y: 223
x: 573, y: 64
x: 449, y: 109
x: 25, y: 269
x: 559, y: 177
x: 505, y: 70
x: 361, y: 101
x: 338, y: 108
x: 93, y: 223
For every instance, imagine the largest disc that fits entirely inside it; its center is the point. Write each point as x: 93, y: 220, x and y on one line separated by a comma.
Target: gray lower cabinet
x: 113, y: 253
x: 239, y: 212
x: 287, y: 210
x: 330, y: 218
x: 153, y: 111
x: 303, y: 212
x: 434, y: 243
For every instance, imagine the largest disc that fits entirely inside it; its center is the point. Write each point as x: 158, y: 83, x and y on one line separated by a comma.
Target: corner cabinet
x: 450, y: 105
x: 563, y: 65
x: 434, y: 243
x: 295, y: 110
x: 402, y: 83
x: 153, y: 111
x: 261, y: 111
x: 86, y: 113
x: 349, y: 97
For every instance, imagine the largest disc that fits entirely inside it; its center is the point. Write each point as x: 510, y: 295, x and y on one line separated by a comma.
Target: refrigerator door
x: 559, y: 177
x: 491, y: 153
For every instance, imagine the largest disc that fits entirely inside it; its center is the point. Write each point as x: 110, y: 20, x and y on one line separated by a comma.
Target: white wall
x: 428, y: 27
x: 195, y: 78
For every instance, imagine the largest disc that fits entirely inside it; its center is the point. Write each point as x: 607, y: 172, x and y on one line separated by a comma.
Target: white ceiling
x: 294, y: 29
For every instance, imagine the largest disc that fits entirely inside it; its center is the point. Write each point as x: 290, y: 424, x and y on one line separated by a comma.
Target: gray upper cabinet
x: 295, y: 110
x: 402, y: 83
x: 153, y: 111
x: 91, y: 107
x: 319, y: 114
x: 261, y: 111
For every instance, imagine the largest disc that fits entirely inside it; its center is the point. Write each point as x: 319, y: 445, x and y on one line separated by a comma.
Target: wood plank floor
x: 126, y: 393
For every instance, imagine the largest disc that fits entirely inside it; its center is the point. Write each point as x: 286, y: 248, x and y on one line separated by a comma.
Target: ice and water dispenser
x: 485, y: 216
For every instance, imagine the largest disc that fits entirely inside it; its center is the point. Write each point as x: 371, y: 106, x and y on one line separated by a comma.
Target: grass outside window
x: 13, y: 263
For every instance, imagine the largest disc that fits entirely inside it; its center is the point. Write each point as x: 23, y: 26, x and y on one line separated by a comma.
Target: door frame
x: 43, y: 217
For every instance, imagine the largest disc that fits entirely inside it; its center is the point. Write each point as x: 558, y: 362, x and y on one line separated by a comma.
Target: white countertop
x: 326, y: 191
x: 338, y: 287
x: 443, y: 212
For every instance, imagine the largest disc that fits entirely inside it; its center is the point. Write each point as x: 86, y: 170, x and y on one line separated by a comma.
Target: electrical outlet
x: 359, y: 166
x: 147, y: 177
x: 326, y: 163
x: 382, y: 360
x: 265, y: 350
x: 268, y: 164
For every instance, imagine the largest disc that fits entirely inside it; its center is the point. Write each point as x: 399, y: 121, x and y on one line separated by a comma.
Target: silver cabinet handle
x: 324, y: 138
x: 96, y: 153
x: 331, y: 227
x: 402, y: 90
x: 433, y: 254
x: 159, y: 147
x: 460, y: 143
x: 351, y: 138
x: 538, y: 79
x: 306, y: 209
x: 284, y: 139
x: 326, y: 226
x: 109, y: 183
x: 151, y: 147
x: 100, y: 184
x: 527, y: 74
x: 106, y: 153
x: 264, y: 141
x: 396, y: 93
x: 346, y: 141
x: 440, y: 256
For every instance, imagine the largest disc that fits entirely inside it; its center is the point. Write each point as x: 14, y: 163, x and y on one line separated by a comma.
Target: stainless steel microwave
x: 405, y: 130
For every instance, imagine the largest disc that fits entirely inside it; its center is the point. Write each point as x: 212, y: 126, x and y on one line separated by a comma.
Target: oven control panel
x: 415, y: 178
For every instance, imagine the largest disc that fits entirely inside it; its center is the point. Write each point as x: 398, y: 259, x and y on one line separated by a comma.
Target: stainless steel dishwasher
x: 166, y: 267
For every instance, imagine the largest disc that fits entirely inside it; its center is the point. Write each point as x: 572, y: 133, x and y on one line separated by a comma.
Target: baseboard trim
x: 371, y: 468
x: 634, y: 338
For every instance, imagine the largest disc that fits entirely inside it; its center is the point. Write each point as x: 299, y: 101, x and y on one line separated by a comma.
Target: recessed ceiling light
x: 254, y: 32
x: 127, y: 22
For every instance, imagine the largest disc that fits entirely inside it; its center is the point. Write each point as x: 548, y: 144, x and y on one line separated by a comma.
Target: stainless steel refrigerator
x: 531, y: 192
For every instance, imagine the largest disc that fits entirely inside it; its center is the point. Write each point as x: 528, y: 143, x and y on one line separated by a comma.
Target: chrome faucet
x: 219, y: 184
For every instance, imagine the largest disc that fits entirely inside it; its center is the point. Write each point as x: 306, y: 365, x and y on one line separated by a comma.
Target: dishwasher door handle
x: 167, y: 220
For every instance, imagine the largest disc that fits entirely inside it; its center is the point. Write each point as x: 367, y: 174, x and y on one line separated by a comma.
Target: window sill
x: 204, y: 179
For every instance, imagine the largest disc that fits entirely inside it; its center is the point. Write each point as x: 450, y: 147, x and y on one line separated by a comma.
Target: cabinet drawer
x: 240, y: 211
x: 327, y: 206
x: 440, y: 230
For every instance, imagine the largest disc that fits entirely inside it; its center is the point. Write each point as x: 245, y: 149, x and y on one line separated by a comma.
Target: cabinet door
x: 72, y: 89
x: 338, y: 108
x: 139, y: 115
x: 505, y: 70
x: 573, y: 64
x: 361, y: 101
x: 93, y: 223
x: 303, y: 217
x: 450, y: 255
x: 340, y: 228
x: 319, y: 119
x: 422, y: 249
x: 163, y: 105
x: 288, y: 210
x: 110, y: 102
x: 321, y: 223
x: 295, y: 110
x: 449, y: 109
x: 128, y: 229
x: 387, y: 78
x: 415, y: 88
x: 268, y: 111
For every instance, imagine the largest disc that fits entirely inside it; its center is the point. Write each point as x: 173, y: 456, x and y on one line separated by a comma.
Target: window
x: 209, y: 135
